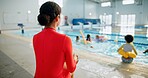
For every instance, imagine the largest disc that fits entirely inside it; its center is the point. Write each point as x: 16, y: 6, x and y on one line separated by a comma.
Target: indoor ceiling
x: 100, y: 1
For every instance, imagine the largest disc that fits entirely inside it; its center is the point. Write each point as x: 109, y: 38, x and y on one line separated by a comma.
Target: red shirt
x: 52, y: 49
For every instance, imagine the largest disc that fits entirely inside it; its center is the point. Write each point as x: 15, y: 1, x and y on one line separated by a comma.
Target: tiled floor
x: 17, y: 61
x: 10, y: 69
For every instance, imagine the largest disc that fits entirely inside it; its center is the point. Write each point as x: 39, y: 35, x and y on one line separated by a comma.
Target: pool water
x: 108, y: 47
x: 138, y: 39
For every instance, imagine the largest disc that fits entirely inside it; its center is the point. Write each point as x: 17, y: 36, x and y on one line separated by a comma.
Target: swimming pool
x: 108, y: 48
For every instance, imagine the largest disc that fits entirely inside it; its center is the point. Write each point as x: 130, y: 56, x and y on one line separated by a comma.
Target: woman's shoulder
x: 37, y: 34
x: 67, y: 37
x: 60, y: 34
x: 63, y: 36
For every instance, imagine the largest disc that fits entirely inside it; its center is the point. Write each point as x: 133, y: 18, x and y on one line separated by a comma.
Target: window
x: 127, y: 24
x: 127, y: 30
x: 60, y: 2
x: 128, y: 19
x: 123, y: 19
x: 106, y: 4
x: 106, y: 19
x: 125, y: 2
x: 107, y: 30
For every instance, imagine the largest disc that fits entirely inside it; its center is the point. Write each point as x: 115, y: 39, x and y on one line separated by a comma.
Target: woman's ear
x: 57, y: 19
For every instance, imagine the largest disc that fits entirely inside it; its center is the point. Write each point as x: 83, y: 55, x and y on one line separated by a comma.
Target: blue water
x: 138, y: 39
x: 108, y: 48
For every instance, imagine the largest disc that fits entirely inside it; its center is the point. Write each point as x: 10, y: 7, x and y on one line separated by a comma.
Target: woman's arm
x: 69, y: 58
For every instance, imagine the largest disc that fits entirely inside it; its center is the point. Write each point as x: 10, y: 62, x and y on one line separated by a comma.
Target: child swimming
x: 77, y: 40
x: 100, y: 38
x: 146, y: 51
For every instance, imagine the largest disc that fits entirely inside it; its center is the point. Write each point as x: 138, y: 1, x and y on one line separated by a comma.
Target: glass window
x: 106, y: 19
x: 109, y: 19
x: 128, y: 19
x: 133, y: 19
x: 107, y: 30
x: 105, y: 4
x: 125, y: 2
x: 123, y: 19
x: 127, y: 24
x: 127, y: 30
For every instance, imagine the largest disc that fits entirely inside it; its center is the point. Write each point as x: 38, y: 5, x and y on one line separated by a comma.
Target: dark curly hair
x: 129, y: 38
x: 48, y: 12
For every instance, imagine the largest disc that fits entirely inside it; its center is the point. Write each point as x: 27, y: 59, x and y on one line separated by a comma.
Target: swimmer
x: 146, y: 51
x: 88, y: 38
x: 77, y: 40
x: 100, y: 38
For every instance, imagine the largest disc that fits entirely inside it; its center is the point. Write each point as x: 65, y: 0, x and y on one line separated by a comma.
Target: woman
x: 53, y: 51
x: 88, y: 38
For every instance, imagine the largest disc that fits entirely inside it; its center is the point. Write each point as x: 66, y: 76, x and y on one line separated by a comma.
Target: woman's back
x: 49, y: 50
x: 53, y: 51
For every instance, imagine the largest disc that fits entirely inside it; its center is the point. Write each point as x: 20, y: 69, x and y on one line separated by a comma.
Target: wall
x: 139, y: 10
x: 91, y: 7
x: 129, y: 9
x: 145, y: 12
x: 0, y: 15
x: 16, y: 11
x: 73, y: 11
x: 0, y: 27
x: 79, y: 9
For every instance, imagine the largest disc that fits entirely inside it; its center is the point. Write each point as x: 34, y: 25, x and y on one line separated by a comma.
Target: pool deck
x: 17, y: 60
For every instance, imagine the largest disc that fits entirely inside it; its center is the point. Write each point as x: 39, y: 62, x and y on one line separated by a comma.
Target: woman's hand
x: 75, y: 58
